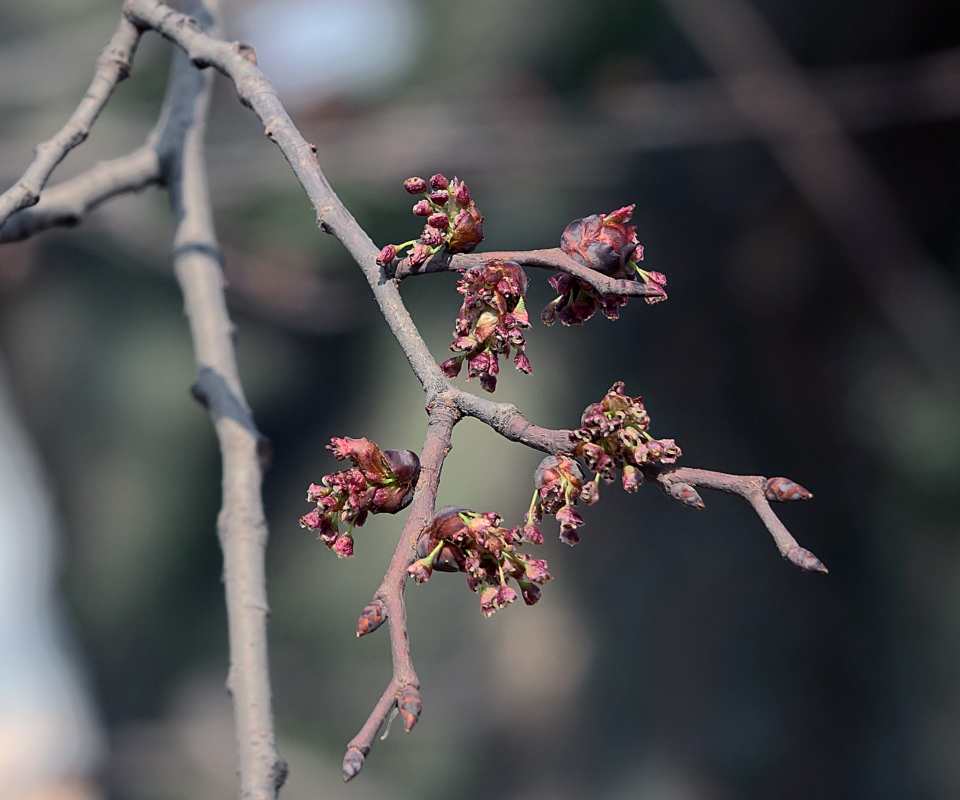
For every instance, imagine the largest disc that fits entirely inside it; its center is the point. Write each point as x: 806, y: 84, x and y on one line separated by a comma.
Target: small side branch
x: 404, y: 686
x: 551, y: 259
x: 753, y: 489
x: 69, y: 202
x: 112, y: 67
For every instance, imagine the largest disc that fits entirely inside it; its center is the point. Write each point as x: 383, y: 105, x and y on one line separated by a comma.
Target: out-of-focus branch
x: 808, y: 141
x: 553, y: 259
x: 404, y: 686
x: 68, y: 202
x: 112, y: 67
x: 241, y: 525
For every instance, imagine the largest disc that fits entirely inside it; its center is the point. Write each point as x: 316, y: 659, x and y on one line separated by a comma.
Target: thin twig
x: 552, y: 259
x: 67, y: 203
x: 241, y: 526
x: 112, y: 67
x: 443, y: 416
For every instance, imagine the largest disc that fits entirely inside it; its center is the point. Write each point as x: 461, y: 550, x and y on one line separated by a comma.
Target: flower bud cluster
x: 558, y: 487
x: 458, y: 540
x: 605, y: 244
x: 378, y: 483
x: 452, y: 220
x: 490, y: 322
x: 614, y: 434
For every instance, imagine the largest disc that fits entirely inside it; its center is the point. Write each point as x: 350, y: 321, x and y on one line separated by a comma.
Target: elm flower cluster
x: 458, y: 540
x: 378, y: 483
x: 452, y: 220
x: 490, y: 322
x: 614, y: 433
x: 558, y: 486
x: 603, y: 243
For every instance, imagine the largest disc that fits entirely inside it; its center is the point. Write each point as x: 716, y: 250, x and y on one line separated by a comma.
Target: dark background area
x: 675, y: 655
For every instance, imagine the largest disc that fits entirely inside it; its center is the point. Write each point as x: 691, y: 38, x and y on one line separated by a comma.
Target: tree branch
x: 69, y: 202
x: 112, y: 67
x: 404, y: 685
x: 552, y: 259
x: 241, y: 525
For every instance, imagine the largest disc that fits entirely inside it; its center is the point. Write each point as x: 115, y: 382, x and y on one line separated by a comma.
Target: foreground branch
x: 388, y: 603
x: 113, y: 66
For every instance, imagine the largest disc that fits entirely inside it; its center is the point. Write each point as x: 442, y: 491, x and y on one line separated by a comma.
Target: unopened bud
x: 440, y: 198
x: 409, y: 706
x: 439, y: 221
x: 415, y: 185
x: 423, y: 208
x: 387, y: 255
x: 438, y: 181
x: 806, y: 560
x: 371, y: 618
x: 352, y: 763
x: 418, y: 254
x: 686, y: 494
x: 431, y: 236
x: 784, y: 490
x: 461, y: 193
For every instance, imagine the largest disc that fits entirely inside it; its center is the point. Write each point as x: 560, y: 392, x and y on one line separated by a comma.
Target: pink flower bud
x: 439, y: 182
x: 439, y: 221
x: 352, y: 763
x: 461, y: 193
x: 421, y: 569
x: 522, y: 363
x: 431, y: 236
x: 418, y: 254
x: 409, y: 706
x: 631, y: 478
x: 372, y: 617
x: 784, y: 490
x: 423, y: 208
x: 387, y: 255
x: 312, y: 520
x: 343, y: 546
x: 440, y: 198
x: 531, y: 533
x: 415, y: 185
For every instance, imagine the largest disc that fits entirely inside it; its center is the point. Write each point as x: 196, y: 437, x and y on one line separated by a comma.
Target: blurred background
x: 796, y: 170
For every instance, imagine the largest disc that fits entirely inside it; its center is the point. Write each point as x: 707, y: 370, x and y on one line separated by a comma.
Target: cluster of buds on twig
x: 614, y: 434
x: 490, y: 322
x: 603, y: 243
x: 452, y: 220
x: 378, y: 483
x: 558, y: 487
x: 458, y: 540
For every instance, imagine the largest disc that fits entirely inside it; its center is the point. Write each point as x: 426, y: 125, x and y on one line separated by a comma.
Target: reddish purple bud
x: 601, y: 243
x: 352, y: 763
x: 522, y: 363
x: 806, y: 560
x: 440, y: 198
x: 387, y: 255
x: 423, y: 208
x: 467, y: 230
x: 418, y: 254
x: 415, y: 185
x: 431, y: 236
x: 421, y: 569
x: 408, y: 703
x: 461, y: 193
x: 405, y: 465
x: 488, y: 382
x: 631, y: 478
x: 784, y: 490
x: 439, y: 182
x: 530, y: 592
x: 590, y: 493
x: 686, y: 494
x: 569, y: 536
x: 343, y: 546
x: 549, y: 315
x: 531, y: 533
x: 439, y: 221
x: 312, y: 520
x: 372, y: 617
x: 452, y: 366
